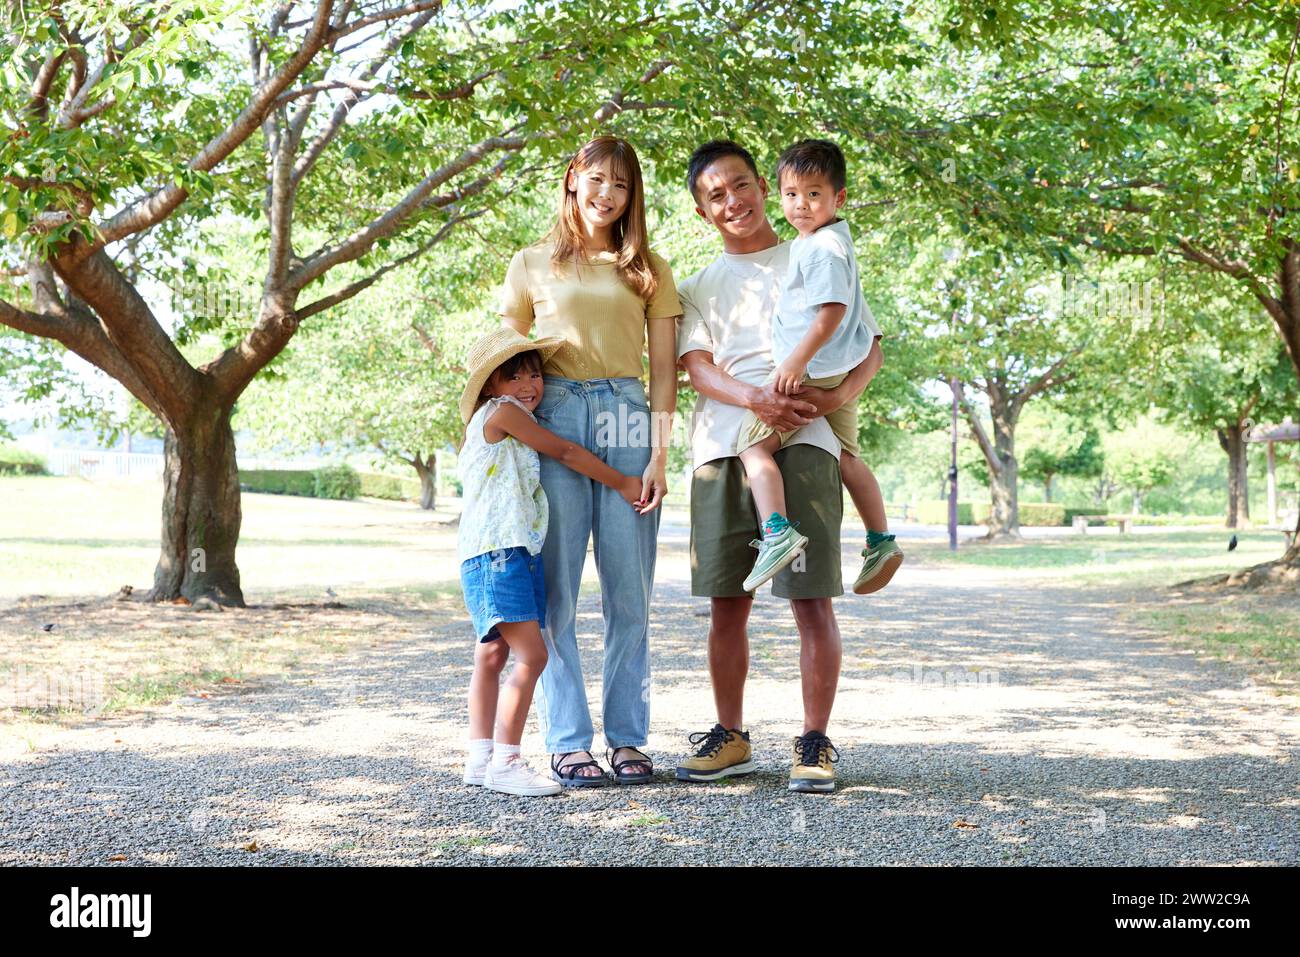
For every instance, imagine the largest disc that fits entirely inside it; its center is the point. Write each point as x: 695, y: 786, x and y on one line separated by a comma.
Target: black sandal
x: 570, y: 778
x: 618, y: 766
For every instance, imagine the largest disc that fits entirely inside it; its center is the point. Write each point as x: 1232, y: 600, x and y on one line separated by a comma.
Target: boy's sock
x: 775, y: 525
x: 480, y: 752
x: 502, y: 753
x: 874, y: 538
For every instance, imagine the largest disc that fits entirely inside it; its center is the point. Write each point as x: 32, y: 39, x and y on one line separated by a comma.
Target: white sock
x: 480, y: 751
x: 502, y: 753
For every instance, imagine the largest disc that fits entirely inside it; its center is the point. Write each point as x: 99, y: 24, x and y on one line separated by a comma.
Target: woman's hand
x: 654, y: 484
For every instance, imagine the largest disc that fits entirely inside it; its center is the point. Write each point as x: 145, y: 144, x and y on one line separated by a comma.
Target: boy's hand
x: 789, y: 377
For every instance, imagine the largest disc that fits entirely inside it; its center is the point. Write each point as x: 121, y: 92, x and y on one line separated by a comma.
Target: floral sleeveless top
x: 503, y: 501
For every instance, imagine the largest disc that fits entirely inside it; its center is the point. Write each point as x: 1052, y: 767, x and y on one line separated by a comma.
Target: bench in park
x: 1125, y: 522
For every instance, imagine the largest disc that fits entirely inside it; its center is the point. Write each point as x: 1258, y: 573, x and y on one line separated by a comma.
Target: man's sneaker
x: 878, y: 567
x: 780, y: 545
x: 813, y: 756
x: 721, y: 754
x: 518, y: 778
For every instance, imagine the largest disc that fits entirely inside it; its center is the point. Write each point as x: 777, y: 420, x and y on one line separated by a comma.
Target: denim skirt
x: 505, y: 585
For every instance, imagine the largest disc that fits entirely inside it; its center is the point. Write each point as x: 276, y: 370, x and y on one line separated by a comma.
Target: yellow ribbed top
x: 601, y: 320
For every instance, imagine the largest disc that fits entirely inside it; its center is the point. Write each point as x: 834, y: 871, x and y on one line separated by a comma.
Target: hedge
x: 375, y: 485
x: 1031, y: 513
x: 336, y: 481
x: 936, y: 513
x: 15, y: 460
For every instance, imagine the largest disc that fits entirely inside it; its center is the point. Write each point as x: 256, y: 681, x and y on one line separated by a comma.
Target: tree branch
x: 335, y: 123
x: 159, y: 204
x: 355, y: 245
x: 977, y: 428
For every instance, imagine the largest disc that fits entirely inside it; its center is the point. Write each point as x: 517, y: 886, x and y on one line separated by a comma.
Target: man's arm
x: 827, y: 401
x: 782, y: 412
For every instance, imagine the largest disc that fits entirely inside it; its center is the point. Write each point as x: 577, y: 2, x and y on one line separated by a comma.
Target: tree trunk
x: 1047, y: 488
x: 1004, y: 481
x: 201, y: 511
x: 1233, y: 441
x: 426, y: 469
x: 1137, y: 501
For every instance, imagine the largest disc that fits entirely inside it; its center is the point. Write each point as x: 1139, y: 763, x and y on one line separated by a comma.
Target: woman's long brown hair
x: 631, y: 243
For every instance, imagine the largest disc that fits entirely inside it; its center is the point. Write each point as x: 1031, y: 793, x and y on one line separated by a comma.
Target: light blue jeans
x: 611, y: 419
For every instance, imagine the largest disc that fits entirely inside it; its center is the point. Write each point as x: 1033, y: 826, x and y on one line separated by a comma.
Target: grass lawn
x: 1139, y: 560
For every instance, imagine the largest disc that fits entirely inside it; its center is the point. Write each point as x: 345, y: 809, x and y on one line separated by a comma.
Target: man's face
x: 731, y: 197
x: 809, y: 202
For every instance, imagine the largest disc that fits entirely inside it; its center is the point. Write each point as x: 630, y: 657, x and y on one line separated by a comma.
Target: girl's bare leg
x: 525, y: 640
x: 489, y: 661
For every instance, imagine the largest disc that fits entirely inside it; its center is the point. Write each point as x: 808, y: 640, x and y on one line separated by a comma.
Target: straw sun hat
x: 492, y: 350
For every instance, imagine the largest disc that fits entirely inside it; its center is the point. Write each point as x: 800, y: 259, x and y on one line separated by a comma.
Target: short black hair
x: 809, y: 157
x: 711, y: 152
x: 530, y: 360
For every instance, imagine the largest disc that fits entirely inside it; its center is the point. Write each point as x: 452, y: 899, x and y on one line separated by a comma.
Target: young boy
x: 822, y: 329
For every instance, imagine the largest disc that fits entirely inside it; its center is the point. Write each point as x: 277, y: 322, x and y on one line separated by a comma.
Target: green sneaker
x: 878, y: 567
x: 780, y: 545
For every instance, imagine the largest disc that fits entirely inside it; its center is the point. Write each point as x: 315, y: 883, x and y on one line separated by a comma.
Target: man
x: 724, y: 344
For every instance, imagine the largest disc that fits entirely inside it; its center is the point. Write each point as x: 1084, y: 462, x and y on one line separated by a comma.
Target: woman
x: 595, y: 283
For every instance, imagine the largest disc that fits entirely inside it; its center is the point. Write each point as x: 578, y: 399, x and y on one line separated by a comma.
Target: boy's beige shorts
x: 843, y: 421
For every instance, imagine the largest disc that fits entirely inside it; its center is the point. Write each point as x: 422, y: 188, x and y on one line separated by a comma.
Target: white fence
x: 96, y: 464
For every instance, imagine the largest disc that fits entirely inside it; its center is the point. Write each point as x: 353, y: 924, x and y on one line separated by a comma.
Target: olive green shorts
x: 724, y: 521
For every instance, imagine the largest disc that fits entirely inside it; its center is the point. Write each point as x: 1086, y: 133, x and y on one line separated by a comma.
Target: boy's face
x: 808, y: 202
x: 731, y: 197
x: 525, y: 385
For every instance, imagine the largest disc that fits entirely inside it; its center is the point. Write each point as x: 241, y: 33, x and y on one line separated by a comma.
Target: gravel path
x: 977, y: 724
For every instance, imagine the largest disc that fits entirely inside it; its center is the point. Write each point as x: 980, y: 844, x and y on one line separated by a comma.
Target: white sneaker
x: 518, y: 778
x: 474, y: 773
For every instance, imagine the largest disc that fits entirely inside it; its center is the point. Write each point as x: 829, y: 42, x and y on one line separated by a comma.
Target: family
x: 779, y: 344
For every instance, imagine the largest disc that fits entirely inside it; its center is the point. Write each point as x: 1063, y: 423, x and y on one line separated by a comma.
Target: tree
x: 1142, y: 457
x: 375, y: 131
x: 385, y: 377
x: 1058, y: 444
x: 1137, y: 129
x: 1219, y: 372
x: 1009, y: 341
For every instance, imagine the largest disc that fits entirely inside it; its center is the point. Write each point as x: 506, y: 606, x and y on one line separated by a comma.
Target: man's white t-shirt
x: 727, y: 309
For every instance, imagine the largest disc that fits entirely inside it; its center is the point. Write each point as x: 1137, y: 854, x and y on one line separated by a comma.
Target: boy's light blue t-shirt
x: 823, y: 268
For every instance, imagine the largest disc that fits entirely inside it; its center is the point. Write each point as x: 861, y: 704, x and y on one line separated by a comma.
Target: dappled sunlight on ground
x: 980, y: 720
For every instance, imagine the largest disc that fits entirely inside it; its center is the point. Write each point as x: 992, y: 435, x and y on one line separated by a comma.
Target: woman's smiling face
x: 601, y: 195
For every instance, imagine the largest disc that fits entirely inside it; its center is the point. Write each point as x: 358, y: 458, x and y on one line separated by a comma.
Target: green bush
x: 1031, y: 513
x: 336, y: 481
x: 936, y: 513
x: 376, y: 485
x: 15, y: 460
x: 279, y: 481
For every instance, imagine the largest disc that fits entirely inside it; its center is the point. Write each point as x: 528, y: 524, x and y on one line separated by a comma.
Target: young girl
x: 502, y: 527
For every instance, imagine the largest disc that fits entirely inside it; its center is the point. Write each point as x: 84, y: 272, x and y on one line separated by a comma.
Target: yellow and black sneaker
x: 813, y: 756
x: 721, y: 754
